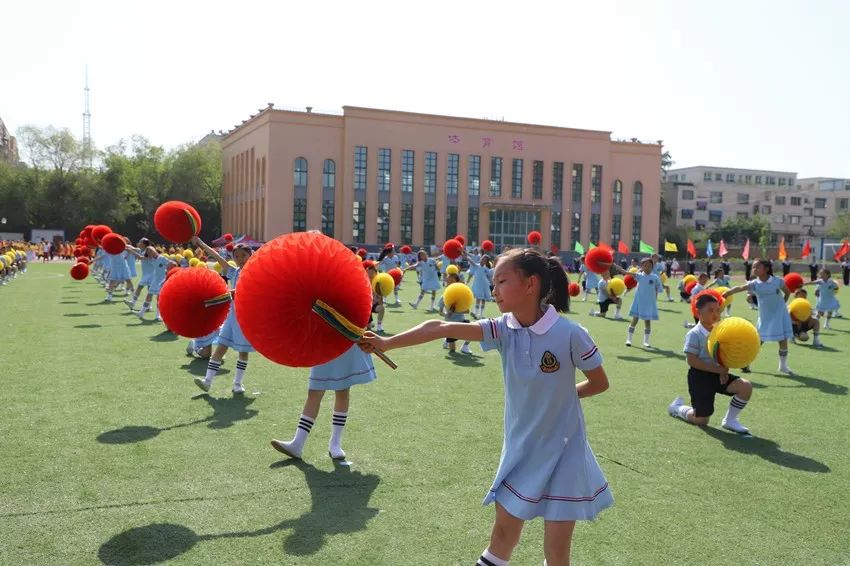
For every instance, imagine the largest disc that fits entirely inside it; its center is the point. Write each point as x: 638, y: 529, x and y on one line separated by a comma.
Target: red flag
x: 692, y: 249
x: 746, y: 253
x: 622, y: 247
x: 807, y: 249
x: 842, y: 251
x: 783, y: 255
x: 723, y: 250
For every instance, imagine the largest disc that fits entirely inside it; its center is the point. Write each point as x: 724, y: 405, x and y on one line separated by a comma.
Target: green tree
x: 737, y: 230
x: 840, y: 227
x: 49, y: 148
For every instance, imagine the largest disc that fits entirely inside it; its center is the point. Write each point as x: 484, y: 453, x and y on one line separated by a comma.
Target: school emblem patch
x: 549, y: 363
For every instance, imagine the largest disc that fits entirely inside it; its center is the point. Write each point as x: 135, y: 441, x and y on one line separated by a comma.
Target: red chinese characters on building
x: 454, y: 139
x: 518, y: 145
x: 486, y: 142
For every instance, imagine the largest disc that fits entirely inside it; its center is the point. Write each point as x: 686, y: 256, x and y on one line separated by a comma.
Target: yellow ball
x: 800, y: 309
x: 193, y: 261
x: 200, y: 264
x: 452, y: 269
x: 727, y: 300
x: 459, y: 297
x: 217, y: 267
x: 439, y: 265
x: 734, y: 342
x: 188, y: 254
x: 663, y: 277
x: 232, y: 264
x: 616, y: 287
x: 688, y: 278
x: 633, y: 269
x: 383, y: 284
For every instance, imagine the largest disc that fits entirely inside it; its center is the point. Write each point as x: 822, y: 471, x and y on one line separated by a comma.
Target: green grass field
x: 108, y: 452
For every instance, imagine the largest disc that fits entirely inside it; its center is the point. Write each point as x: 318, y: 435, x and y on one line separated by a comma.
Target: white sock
x: 783, y: 358
x: 241, y: 367
x: 617, y: 312
x: 631, y: 332
x: 490, y: 559
x: 736, y: 405
x: 305, y: 425
x: 212, y: 369
x: 337, y: 427
x: 646, y: 336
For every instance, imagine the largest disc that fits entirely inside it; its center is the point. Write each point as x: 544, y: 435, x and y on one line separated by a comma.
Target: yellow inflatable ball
x: 188, y: 254
x: 633, y: 269
x: 800, y: 309
x: 217, y: 267
x: 688, y: 278
x: 734, y: 342
x: 214, y: 265
x: 727, y: 300
x: 616, y: 287
x: 383, y: 284
x: 232, y: 264
x: 193, y: 261
x: 200, y: 264
x: 439, y: 265
x: 459, y: 297
x: 452, y: 269
x: 663, y: 278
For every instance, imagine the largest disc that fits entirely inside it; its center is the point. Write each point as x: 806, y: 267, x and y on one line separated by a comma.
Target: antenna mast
x: 87, y: 124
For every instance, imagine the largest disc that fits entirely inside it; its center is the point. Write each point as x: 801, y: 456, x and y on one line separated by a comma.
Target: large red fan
x: 462, y: 239
x: 630, y: 281
x: 405, y: 249
x: 599, y: 259
x: 99, y: 231
x: 279, y: 286
x: 488, y: 246
x: 534, y: 237
x: 80, y: 271
x: 194, y: 302
x: 113, y: 243
x: 362, y: 253
x: 713, y: 292
x: 397, y: 275
x: 689, y: 286
x: 83, y: 259
x: 177, y: 221
x: 452, y: 249
x: 574, y: 289
x: 793, y: 281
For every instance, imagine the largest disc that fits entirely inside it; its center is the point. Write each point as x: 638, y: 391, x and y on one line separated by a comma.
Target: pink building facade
x: 374, y: 176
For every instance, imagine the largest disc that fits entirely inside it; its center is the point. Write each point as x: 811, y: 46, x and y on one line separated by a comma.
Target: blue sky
x: 730, y: 83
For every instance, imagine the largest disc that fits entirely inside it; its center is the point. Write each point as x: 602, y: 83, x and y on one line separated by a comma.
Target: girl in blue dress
x: 230, y: 335
x: 386, y: 261
x: 353, y: 367
x: 645, y: 303
x: 826, y: 290
x: 660, y: 267
x: 482, y: 280
x: 774, y: 322
x: 547, y: 468
x: 159, y: 267
x: 147, y: 267
x: 591, y: 279
x: 429, y: 280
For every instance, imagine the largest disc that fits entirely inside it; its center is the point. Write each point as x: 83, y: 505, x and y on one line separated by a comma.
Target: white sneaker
x: 141, y: 314
x: 785, y: 369
x: 190, y: 350
x: 413, y: 305
x: 465, y: 349
x: 673, y: 408
x: 593, y: 313
x: 817, y: 344
x: 288, y: 448
x: 670, y: 299
x: 238, y: 389
x: 628, y: 341
x: 202, y: 383
x: 379, y: 329
x: 618, y: 317
x: 336, y: 452
x: 445, y: 344
x: 734, y: 426
x: 646, y: 344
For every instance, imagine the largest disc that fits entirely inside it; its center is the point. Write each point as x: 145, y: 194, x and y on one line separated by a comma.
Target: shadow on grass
x: 75, y: 314
x: 817, y: 383
x: 633, y: 359
x: 164, y: 336
x: 340, y: 505
x: 766, y: 449
x: 465, y: 360
x: 198, y: 366
x: 68, y: 302
x: 87, y: 326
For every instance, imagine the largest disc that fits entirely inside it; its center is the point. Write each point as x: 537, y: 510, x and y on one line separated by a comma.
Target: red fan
x: 362, y: 253
x: 194, y: 302
x: 78, y: 242
x: 713, y: 292
x: 689, y: 286
x: 90, y: 242
x: 304, y: 268
x: 630, y: 281
x: 452, y: 249
x: 113, y: 243
x: 397, y: 275
x: 405, y: 249
x: 80, y: 271
x: 79, y: 251
x: 367, y: 263
x: 83, y: 259
x: 229, y: 247
x: 574, y: 289
x: 99, y: 231
x: 228, y: 237
x: 534, y: 237
x: 599, y: 259
x: 172, y: 269
x: 177, y: 221
x: 389, y: 246
x: 793, y: 281
x: 86, y: 232
x: 461, y: 238
x: 488, y: 246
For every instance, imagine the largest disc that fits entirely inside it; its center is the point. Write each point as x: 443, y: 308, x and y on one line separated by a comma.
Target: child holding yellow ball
x: 707, y: 378
x: 606, y: 298
x: 454, y: 306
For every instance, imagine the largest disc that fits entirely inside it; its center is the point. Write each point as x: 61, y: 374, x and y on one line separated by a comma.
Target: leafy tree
x: 737, y: 230
x: 840, y: 227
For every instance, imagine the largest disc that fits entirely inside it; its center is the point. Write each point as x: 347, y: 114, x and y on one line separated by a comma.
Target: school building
x: 372, y: 176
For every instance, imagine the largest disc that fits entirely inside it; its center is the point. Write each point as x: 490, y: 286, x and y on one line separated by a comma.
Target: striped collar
x: 542, y: 326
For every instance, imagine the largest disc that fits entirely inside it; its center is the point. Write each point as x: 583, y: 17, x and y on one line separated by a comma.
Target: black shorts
x: 703, y: 386
x: 603, y: 306
x: 684, y: 295
x: 453, y: 340
x: 798, y: 327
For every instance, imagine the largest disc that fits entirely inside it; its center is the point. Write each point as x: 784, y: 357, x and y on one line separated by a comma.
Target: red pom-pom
x: 78, y: 242
x: 574, y: 289
x: 367, y: 263
x: 172, y: 269
x: 389, y: 246
x: 113, y: 243
x: 99, y: 231
x: 278, y: 287
x: 86, y: 232
x: 177, y: 221
x: 229, y: 247
x: 84, y: 260
x: 397, y: 275
x: 405, y: 249
x: 362, y: 253
x: 228, y: 237
x: 599, y: 259
x: 80, y: 271
x: 90, y: 242
x: 793, y: 281
x: 713, y: 292
x: 630, y: 281
x: 488, y: 246
x: 452, y: 249
x: 184, y: 299
x: 534, y: 237
x: 689, y: 286
x: 461, y: 238
x: 78, y: 252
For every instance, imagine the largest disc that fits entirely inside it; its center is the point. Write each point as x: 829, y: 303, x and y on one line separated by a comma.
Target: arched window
x: 329, y: 174
x: 299, y: 175
x: 637, y: 195
x: 618, y: 191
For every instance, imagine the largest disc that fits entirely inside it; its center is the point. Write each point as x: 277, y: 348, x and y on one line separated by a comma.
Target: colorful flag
x: 746, y: 252
x: 807, y: 249
x: 578, y: 248
x: 622, y: 247
x: 723, y: 251
x: 709, y: 251
x: 646, y: 248
x: 783, y: 255
x: 670, y: 247
x: 590, y: 245
x: 842, y: 251
x: 692, y: 250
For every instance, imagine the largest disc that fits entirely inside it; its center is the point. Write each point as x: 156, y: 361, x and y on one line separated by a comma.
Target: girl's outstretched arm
x: 596, y: 383
x: 211, y: 253
x: 425, y: 332
x: 738, y: 289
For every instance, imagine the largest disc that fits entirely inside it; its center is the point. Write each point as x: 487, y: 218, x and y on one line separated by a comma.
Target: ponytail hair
x: 553, y: 278
x: 383, y: 254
